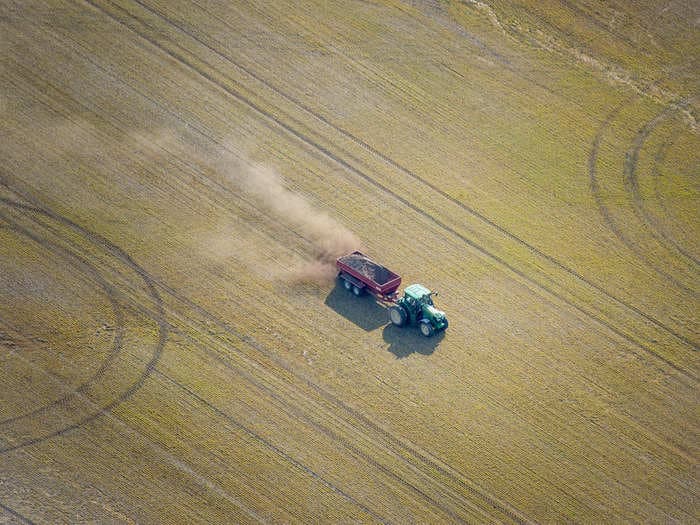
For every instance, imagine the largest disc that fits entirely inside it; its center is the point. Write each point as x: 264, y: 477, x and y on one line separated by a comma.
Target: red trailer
x: 359, y: 273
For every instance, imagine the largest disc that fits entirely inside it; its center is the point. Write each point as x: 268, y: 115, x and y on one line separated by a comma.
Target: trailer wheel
x: 397, y: 315
x: 426, y: 328
x: 357, y: 290
x: 347, y: 284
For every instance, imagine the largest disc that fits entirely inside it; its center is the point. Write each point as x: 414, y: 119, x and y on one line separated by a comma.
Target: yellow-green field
x: 175, y: 176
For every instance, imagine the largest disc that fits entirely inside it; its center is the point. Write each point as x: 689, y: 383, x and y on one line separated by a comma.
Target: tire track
x: 15, y: 514
x: 632, y: 186
x: 90, y: 269
x: 163, y: 327
x: 629, y: 172
x: 632, y: 182
x: 271, y: 446
x: 179, y: 55
x: 172, y: 460
x: 659, y: 160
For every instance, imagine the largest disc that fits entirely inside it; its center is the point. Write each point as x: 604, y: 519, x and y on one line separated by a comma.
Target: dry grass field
x: 175, y: 176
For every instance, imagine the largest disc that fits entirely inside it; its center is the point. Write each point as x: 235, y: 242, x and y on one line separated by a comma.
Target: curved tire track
x: 656, y: 225
x: 659, y: 160
x: 163, y: 327
x: 597, y: 192
x: 632, y: 186
x: 90, y: 269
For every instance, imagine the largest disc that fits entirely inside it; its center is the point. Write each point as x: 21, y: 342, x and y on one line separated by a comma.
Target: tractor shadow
x: 407, y: 340
x: 364, y: 311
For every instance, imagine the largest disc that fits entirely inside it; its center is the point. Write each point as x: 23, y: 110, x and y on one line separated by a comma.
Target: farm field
x: 177, y: 178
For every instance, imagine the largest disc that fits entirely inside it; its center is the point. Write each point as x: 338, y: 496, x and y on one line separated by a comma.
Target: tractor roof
x: 416, y: 291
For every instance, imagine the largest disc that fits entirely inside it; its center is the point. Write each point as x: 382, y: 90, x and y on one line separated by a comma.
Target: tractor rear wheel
x: 426, y: 328
x: 397, y: 315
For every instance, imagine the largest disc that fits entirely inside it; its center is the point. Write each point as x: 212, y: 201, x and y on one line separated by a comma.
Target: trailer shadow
x: 408, y: 340
x: 364, y: 311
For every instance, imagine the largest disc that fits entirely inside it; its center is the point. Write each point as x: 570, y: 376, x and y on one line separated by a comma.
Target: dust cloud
x: 229, y: 163
x: 329, y: 239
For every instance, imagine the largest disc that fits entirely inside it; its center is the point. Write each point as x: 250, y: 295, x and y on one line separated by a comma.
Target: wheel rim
x: 347, y: 284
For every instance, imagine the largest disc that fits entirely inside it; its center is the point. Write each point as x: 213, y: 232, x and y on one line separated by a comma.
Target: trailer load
x: 360, y: 274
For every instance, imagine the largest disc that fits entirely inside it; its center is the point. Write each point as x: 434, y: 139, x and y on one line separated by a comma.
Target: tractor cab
x: 417, y: 307
x: 418, y: 292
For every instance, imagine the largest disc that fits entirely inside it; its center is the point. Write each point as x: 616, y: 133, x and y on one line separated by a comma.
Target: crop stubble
x: 453, y: 484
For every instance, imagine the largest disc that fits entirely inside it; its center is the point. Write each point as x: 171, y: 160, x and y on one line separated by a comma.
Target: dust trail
x: 226, y: 162
x: 329, y: 238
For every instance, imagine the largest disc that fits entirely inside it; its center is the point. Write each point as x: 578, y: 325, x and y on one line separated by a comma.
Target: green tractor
x: 416, y: 307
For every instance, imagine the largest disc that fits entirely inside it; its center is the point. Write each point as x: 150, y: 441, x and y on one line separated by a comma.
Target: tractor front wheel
x: 426, y: 328
x: 398, y: 315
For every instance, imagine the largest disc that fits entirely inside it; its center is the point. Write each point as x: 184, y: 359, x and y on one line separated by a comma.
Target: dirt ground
x: 177, y: 178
